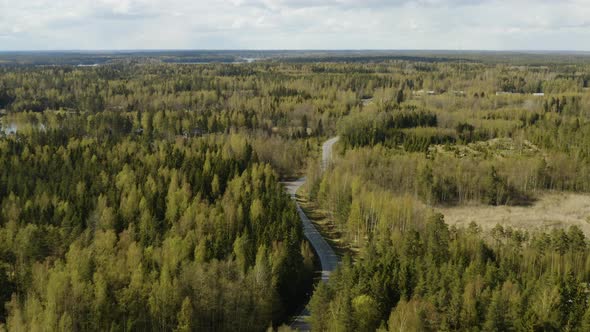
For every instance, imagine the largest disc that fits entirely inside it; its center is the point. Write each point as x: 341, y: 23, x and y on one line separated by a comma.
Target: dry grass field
x: 550, y: 211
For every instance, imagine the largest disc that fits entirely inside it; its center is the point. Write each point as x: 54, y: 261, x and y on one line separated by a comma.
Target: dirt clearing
x: 550, y: 211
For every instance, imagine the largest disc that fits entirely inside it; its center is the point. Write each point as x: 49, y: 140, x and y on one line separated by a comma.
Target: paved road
x: 327, y: 152
x: 328, y: 259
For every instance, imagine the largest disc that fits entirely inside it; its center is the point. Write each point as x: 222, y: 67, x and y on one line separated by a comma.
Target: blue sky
x: 295, y: 24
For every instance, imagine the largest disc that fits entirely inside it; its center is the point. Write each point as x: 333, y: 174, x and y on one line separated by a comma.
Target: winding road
x: 328, y: 259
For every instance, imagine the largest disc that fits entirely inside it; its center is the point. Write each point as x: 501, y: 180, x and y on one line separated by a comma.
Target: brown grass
x: 551, y: 210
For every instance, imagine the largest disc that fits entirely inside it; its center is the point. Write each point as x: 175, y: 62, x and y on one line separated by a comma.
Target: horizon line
x: 295, y: 50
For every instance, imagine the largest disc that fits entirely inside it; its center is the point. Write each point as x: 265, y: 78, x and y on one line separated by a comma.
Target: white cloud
x: 295, y: 24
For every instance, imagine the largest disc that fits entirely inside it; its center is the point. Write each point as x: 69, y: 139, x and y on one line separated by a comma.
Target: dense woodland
x: 479, y: 138
x: 429, y: 277
x: 145, y: 196
x: 132, y: 235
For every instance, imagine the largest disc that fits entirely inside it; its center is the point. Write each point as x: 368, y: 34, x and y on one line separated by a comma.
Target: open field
x: 550, y: 211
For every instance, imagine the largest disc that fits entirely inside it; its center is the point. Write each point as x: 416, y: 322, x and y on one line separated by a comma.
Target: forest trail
x: 328, y: 258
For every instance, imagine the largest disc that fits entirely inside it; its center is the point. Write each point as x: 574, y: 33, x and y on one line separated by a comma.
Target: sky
x: 295, y: 24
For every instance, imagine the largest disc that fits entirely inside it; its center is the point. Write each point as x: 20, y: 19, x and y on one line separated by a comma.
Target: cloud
x: 294, y: 24
x: 345, y: 4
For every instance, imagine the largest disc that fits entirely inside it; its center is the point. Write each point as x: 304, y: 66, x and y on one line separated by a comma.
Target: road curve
x: 327, y: 152
x: 328, y: 259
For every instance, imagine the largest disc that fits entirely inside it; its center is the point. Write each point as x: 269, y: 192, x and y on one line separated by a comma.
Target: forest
x: 142, y: 195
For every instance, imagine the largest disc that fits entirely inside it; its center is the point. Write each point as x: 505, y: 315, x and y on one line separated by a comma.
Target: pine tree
x: 365, y: 313
x: 319, y: 306
x: 185, y: 316
x: 496, y: 318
